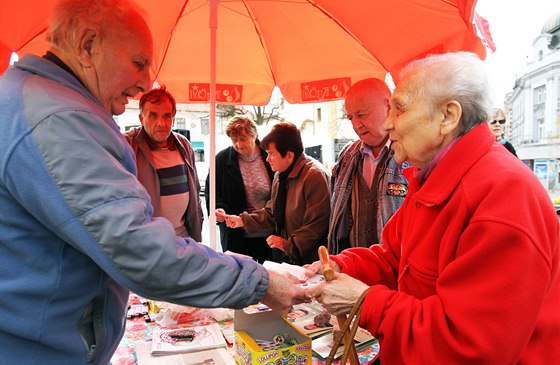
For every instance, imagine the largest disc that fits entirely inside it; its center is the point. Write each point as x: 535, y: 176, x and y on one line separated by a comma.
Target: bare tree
x: 261, y: 114
x: 230, y: 111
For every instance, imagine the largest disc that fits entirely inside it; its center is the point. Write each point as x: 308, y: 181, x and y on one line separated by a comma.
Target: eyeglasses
x: 501, y: 121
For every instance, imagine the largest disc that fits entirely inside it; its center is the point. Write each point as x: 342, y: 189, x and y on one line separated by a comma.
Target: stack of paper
x: 312, y: 319
x: 219, y: 356
x: 297, y: 271
x: 188, y: 339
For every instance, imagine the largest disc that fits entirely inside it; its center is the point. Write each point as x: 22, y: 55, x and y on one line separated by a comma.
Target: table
x: 137, y: 329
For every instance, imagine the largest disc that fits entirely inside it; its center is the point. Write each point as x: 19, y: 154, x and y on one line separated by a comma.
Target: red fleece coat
x: 468, y: 270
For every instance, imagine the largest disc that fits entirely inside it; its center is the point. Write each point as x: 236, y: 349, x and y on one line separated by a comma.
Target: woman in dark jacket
x: 243, y: 183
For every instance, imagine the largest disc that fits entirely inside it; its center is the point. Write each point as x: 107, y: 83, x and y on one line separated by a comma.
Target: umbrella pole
x: 211, y: 213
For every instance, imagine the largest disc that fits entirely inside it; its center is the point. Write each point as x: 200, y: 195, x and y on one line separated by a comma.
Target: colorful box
x: 267, y: 325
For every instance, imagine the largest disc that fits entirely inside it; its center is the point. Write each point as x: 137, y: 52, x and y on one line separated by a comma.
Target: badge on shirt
x: 395, y: 189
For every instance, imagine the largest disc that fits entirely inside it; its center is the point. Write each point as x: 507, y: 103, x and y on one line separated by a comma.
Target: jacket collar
x: 232, y: 156
x: 448, y: 173
x: 49, y: 70
x: 57, y: 61
x: 300, y: 162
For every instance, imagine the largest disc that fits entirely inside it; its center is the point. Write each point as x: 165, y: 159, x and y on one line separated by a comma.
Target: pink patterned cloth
x: 138, y: 330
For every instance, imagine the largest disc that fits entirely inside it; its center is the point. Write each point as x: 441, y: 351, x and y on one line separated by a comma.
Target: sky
x: 514, y: 25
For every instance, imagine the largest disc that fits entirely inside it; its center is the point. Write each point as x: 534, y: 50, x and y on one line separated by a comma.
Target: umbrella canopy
x: 313, y: 50
x: 236, y: 51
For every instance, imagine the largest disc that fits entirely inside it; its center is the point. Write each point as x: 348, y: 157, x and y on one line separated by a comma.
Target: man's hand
x: 338, y: 295
x: 283, y: 291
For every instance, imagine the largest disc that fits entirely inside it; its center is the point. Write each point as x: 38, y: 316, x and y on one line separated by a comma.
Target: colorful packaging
x: 266, y: 338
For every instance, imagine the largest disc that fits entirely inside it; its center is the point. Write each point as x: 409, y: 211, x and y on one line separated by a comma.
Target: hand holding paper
x: 283, y: 291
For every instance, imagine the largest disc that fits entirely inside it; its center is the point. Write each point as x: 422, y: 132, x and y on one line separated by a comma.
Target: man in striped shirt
x: 165, y: 162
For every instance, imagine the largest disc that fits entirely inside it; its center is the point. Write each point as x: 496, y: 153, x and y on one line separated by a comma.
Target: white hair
x: 456, y: 76
x: 70, y: 15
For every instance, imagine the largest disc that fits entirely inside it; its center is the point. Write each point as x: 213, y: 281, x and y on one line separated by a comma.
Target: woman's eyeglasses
x: 501, y: 121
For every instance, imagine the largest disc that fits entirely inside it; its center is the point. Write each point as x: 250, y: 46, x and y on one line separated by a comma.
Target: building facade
x: 533, y: 108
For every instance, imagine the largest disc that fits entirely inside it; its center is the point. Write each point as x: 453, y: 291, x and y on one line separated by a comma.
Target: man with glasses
x: 497, y: 127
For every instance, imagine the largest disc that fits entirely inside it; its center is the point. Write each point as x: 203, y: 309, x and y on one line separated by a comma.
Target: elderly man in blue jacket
x: 77, y: 231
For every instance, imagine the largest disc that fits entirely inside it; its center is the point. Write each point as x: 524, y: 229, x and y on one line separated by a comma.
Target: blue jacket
x: 77, y: 232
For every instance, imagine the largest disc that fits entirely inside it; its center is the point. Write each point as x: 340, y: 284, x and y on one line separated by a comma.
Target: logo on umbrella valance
x: 224, y: 93
x: 324, y: 90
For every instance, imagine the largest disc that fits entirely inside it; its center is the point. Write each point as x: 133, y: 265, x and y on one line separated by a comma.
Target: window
x: 199, y: 155
x: 204, y: 126
x: 180, y: 123
x: 539, y: 99
x: 540, y: 129
x: 539, y: 95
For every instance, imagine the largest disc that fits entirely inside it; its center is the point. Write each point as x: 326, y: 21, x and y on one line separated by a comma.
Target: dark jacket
x: 230, y: 196
x: 510, y: 148
x: 391, y: 188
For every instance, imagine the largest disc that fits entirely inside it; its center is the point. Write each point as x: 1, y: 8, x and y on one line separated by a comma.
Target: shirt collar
x: 366, y: 149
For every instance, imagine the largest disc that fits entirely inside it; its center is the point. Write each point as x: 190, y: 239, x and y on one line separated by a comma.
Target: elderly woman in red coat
x: 468, y: 269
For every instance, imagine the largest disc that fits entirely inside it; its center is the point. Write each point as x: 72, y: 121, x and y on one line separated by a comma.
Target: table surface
x: 137, y: 329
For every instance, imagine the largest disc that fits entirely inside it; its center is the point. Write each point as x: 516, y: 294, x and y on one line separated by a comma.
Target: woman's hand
x: 338, y: 295
x: 220, y: 215
x: 317, y: 268
x: 277, y: 242
x: 233, y: 221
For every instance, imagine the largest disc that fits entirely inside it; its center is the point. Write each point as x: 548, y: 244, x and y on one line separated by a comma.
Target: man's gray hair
x: 69, y: 15
x: 456, y: 76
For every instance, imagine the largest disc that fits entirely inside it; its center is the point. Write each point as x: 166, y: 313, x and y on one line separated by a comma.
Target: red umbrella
x: 312, y: 50
x: 238, y: 50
